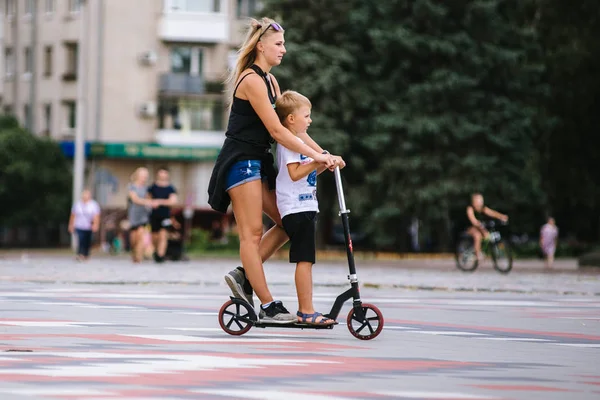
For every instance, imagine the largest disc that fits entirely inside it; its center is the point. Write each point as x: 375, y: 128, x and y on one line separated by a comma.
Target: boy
x: 296, y: 190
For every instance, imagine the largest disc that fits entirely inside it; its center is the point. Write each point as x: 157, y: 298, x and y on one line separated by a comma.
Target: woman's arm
x: 253, y: 87
x: 310, y: 142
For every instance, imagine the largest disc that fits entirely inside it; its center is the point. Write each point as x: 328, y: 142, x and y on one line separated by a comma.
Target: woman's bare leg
x: 276, y: 236
x: 138, y: 247
x: 247, y: 205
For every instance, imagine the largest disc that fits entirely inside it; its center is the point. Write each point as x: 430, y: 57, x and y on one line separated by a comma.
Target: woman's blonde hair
x: 136, y: 173
x: 289, y: 102
x: 257, y: 29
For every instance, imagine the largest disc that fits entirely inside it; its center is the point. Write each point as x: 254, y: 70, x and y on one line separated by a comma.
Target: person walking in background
x: 164, y: 197
x: 84, y: 221
x: 548, y: 241
x: 138, y: 210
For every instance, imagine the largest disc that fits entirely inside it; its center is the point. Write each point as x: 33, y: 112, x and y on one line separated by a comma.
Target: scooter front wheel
x: 234, y: 317
x: 366, y: 323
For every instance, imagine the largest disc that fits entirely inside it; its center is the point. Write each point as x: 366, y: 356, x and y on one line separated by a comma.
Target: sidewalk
x: 528, y: 276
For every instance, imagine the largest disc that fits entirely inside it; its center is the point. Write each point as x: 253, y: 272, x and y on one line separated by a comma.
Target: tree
x: 571, y: 148
x: 428, y: 100
x: 35, y: 180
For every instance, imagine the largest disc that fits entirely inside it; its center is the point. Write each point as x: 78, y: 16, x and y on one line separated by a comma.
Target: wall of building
x: 130, y: 30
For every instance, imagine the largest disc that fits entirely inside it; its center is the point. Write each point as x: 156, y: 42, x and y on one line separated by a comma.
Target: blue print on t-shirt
x: 311, y: 179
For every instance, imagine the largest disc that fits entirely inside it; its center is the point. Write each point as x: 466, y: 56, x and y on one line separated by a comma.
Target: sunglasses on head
x: 273, y: 25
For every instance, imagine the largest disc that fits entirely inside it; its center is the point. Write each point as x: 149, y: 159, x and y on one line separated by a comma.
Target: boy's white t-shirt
x: 295, y: 197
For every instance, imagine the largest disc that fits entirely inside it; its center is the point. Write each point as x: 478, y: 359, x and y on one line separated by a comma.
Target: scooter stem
x: 340, y: 191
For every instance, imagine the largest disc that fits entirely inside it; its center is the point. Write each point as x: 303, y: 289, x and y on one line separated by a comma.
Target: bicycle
x: 495, y: 246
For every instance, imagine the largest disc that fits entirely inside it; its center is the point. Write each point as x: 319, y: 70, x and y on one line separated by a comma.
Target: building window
x: 9, y: 62
x: 190, y: 114
x: 74, y: 6
x: 49, y: 6
x: 232, y: 57
x: 27, y: 116
x: 28, y: 8
x: 10, y: 8
x: 72, y: 54
x: 71, y: 114
x: 28, y: 60
x: 187, y: 60
x: 48, y: 61
x: 246, y: 8
x: 7, y: 110
x: 200, y: 6
x: 47, y: 119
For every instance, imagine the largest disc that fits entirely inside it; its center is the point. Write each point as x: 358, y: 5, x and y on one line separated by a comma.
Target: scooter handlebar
x: 340, y: 190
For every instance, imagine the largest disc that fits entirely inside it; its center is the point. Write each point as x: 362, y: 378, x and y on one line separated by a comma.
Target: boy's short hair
x: 289, y: 102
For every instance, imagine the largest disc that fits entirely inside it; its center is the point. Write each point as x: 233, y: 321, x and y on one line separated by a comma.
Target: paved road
x: 528, y: 276
x: 158, y: 341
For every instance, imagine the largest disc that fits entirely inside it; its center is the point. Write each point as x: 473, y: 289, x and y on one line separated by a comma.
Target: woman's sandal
x: 313, y: 319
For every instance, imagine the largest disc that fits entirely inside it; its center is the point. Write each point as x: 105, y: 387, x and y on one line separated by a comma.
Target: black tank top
x: 244, y: 123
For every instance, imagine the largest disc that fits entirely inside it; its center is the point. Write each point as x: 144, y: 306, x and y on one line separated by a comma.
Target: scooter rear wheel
x: 371, y: 320
x: 233, y: 317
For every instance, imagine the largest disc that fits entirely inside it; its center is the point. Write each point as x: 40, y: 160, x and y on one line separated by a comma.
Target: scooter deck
x: 297, y: 325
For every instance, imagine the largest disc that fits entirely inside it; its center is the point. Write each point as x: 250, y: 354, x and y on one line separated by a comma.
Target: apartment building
x: 151, y: 83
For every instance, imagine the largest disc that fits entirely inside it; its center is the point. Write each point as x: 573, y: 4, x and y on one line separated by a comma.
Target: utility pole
x: 79, y: 156
x: 31, y: 126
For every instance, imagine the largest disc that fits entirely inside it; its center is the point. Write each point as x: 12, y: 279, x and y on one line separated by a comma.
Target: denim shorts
x: 244, y: 171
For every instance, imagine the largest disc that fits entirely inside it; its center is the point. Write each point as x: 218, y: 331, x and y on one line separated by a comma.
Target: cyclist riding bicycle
x: 477, y: 212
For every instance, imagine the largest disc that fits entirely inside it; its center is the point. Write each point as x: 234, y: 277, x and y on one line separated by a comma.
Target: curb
x: 365, y: 285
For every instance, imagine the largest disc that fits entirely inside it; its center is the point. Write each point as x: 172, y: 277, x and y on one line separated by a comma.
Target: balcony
x: 204, y: 139
x: 181, y: 84
x: 199, y: 22
x: 195, y: 122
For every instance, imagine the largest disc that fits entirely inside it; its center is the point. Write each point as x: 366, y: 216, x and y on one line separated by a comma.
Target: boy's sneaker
x: 239, y: 285
x: 276, y: 313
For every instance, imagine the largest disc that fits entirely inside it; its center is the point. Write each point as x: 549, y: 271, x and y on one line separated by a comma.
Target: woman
x: 548, y: 241
x: 138, y: 209
x: 84, y: 221
x: 244, y: 172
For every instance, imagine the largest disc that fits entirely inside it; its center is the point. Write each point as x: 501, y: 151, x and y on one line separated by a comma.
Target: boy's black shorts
x: 302, y: 231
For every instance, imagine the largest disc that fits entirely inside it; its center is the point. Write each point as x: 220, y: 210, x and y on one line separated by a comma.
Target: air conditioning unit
x: 148, y: 109
x: 148, y: 58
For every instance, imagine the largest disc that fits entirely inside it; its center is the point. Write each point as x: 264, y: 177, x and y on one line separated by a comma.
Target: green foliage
x: 565, y: 248
x: 35, y: 180
x: 201, y: 243
x: 427, y: 100
x: 571, y: 149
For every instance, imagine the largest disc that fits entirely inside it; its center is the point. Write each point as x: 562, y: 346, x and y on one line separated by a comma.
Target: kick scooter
x: 364, y: 321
